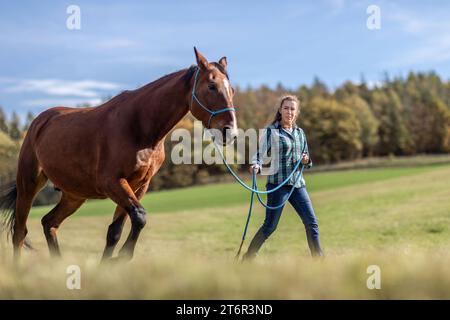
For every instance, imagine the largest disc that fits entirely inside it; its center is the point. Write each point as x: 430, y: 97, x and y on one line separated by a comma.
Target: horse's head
x: 212, y: 97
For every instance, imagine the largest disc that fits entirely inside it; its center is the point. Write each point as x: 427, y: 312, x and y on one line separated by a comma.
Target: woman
x: 292, y: 147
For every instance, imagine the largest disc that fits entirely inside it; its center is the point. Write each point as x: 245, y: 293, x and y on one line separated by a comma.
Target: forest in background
x: 401, y: 116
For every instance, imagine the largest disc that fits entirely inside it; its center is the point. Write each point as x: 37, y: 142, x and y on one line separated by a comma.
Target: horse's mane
x: 187, y: 76
x: 127, y: 94
x: 221, y: 69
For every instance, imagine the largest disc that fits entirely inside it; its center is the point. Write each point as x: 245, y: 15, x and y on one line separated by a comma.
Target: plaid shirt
x: 289, y: 146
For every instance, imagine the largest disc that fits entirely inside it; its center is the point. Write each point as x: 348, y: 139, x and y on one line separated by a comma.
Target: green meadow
x: 394, y: 218
x: 232, y: 194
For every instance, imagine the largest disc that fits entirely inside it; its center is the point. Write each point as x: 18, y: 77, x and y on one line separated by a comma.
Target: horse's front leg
x: 122, y: 194
x: 116, y: 227
x: 114, y: 232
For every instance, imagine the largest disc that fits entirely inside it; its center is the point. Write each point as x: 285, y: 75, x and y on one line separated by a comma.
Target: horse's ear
x: 201, y: 60
x: 223, y: 62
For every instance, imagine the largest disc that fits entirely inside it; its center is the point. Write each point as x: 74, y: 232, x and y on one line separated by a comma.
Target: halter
x: 211, y: 112
x: 254, y: 188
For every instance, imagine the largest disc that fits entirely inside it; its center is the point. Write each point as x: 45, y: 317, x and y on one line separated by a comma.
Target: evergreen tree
x: 30, y: 117
x: 367, y: 121
x: 14, y: 127
x: 3, y: 121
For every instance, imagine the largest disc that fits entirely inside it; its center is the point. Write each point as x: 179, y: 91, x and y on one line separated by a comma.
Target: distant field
x: 395, y: 218
x: 230, y: 194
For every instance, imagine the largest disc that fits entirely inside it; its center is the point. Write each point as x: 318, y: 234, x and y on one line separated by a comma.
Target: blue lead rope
x: 255, y: 186
x: 254, y: 189
x: 284, y: 202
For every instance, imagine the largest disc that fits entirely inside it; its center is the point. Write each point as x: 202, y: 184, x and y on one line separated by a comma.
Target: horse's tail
x: 8, y: 198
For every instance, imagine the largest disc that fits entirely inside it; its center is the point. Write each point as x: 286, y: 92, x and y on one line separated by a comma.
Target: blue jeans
x: 302, y: 204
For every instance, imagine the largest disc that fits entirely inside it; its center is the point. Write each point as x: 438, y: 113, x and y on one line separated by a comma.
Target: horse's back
x: 44, y: 120
x: 60, y: 119
x: 63, y: 141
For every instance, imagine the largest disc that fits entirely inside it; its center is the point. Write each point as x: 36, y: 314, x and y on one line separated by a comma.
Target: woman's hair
x: 288, y: 97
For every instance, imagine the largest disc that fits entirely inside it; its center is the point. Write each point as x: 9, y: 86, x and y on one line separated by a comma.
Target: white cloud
x: 57, y: 87
x: 7, y: 80
x: 48, y: 103
x: 408, y: 22
x: 430, y: 34
x: 151, y: 60
x: 56, y: 92
x: 336, y: 5
x: 115, y: 43
x: 434, y: 50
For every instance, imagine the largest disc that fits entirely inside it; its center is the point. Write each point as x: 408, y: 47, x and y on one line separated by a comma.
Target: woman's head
x: 288, y: 110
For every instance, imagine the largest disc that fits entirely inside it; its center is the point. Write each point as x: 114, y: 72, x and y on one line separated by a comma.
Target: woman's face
x: 288, y: 112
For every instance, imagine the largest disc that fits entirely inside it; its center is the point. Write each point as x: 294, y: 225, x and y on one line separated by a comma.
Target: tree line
x: 399, y: 116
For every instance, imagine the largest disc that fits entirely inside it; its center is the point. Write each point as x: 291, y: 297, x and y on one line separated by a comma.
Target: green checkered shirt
x: 290, y: 146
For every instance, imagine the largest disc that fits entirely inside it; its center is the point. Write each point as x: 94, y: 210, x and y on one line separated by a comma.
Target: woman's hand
x: 305, y: 158
x: 254, y: 167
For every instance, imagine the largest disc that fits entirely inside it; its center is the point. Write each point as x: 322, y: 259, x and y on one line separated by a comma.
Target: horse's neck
x: 160, y: 108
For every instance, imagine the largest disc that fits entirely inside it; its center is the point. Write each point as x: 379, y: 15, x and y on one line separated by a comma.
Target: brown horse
x: 113, y: 150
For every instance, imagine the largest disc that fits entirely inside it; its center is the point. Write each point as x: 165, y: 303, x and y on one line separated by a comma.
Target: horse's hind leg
x: 30, y: 180
x: 51, y: 221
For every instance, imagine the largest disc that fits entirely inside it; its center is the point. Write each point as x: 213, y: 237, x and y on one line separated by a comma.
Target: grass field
x: 395, y: 218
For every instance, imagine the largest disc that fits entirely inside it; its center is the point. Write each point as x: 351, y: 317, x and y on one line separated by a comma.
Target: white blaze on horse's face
x: 232, y: 133
x: 227, y: 89
x: 222, y: 92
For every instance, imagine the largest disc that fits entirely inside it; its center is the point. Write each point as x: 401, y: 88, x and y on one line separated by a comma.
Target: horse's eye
x: 212, y: 87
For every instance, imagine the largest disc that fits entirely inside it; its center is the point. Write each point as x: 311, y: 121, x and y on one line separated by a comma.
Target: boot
x: 314, y: 244
x: 256, y: 243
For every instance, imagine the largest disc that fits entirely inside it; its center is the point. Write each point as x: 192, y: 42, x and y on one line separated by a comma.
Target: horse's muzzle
x: 229, y: 134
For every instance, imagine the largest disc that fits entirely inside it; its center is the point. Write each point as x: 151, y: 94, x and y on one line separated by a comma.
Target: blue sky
x: 125, y: 44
